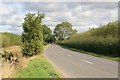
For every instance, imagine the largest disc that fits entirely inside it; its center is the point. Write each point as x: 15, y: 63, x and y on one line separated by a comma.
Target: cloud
x: 10, y: 14
x: 81, y: 15
x: 6, y: 10
x: 98, y: 5
x: 14, y: 20
x: 11, y: 29
x: 45, y: 6
x: 60, y: 1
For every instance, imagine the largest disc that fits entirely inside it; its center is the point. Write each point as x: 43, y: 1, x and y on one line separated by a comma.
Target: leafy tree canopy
x: 32, y: 36
x: 63, y: 31
x: 47, y: 34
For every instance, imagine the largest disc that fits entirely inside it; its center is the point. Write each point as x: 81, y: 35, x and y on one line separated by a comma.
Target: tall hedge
x: 102, y: 40
x: 32, y: 36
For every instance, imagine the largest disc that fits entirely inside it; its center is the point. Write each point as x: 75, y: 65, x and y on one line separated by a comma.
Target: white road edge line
x: 87, y: 61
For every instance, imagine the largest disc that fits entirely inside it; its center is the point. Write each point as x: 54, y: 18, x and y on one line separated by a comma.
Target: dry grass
x: 11, y: 71
x: 8, y: 69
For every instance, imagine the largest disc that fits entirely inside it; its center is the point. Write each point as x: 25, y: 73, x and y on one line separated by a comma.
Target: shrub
x: 32, y: 36
x: 102, y: 40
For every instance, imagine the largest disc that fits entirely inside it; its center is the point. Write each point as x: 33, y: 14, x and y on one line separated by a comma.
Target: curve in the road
x: 79, y: 65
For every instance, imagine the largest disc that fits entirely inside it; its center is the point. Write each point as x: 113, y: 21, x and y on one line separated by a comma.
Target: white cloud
x: 14, y: 20
x: 5, y: 10
x: 60, y: 1
x: 81, y: 15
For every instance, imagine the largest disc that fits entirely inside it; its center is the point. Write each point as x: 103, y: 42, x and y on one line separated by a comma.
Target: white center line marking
x: 87, y: 61
x: 69, y: 55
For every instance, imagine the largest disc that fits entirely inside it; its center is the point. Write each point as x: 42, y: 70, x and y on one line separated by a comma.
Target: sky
x: 82, y: 15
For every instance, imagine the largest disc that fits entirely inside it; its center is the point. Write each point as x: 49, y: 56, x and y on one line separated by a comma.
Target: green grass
x: 93, y: 54
x: 35, y: 69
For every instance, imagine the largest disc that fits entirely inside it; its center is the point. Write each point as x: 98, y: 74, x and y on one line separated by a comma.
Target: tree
x: 63, y: 31
x: 47, y: 34
x: 32, y: 36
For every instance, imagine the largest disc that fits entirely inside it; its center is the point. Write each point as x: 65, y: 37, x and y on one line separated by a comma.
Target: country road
x: 78, y: 65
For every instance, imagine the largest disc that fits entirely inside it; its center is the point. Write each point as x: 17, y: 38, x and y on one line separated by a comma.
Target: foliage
x: 110, y: 29
x: 10, y: 39
x: 47, y: 35
x: 102, y: 40
x: 32, y: 36
x: 63, y: 31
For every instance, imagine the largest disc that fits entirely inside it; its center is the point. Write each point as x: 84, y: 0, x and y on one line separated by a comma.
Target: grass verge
x: 37, y: 68
x: 93, y: 54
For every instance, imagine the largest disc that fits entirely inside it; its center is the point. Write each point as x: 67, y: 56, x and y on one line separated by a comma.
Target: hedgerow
x: 102, y: 40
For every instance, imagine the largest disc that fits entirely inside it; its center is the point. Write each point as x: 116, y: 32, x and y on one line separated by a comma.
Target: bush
x: 102, y: 40
x: 32, y: 36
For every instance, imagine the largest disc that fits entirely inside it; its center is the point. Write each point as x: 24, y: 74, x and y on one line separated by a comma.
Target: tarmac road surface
x: 78, y: 65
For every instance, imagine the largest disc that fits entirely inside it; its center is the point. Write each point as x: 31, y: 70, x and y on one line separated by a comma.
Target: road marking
x: 87, y: 61
x: 69, y: 55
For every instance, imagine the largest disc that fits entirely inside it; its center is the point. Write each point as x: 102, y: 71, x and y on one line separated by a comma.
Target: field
x: 101, y: 41
x: 10, y: 39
